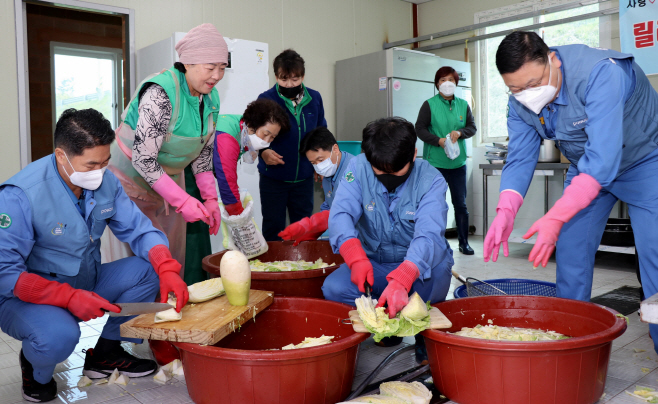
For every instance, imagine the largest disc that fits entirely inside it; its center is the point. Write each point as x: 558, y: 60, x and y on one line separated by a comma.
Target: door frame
x: 22, y: 62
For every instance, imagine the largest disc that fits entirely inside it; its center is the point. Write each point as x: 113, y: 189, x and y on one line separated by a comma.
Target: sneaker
x: 98, y: 366
x: 33, y: 390
x: 387, y: 342
x: 466, y: 249
x: 421, y: 352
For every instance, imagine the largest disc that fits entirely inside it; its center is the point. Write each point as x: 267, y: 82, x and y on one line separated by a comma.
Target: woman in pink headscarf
x: 168, y: 126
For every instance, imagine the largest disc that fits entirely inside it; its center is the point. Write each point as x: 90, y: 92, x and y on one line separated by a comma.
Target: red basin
x: 239, y: 369
x: 571, y: 371
x: 297, y: 283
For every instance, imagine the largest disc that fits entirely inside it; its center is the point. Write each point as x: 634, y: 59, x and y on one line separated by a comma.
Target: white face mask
x: 90, y: 180
x: 326, y: 167
x: 257, y: 143
x: 447, y: 88
x: 536, y: 98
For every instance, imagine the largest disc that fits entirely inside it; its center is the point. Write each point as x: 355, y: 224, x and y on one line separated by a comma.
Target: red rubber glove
x: 309, y: 228
x: 206, y: 183
x: 168, y: 269
x: 577, y: 196
x: 508, y: 204
x: 190, y: 208
x: 358, y: 262
x: 234, y: 209
x: 83, y: 304
x: 396, y: 293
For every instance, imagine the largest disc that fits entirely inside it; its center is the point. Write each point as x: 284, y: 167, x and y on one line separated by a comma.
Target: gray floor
x: 627, y: 368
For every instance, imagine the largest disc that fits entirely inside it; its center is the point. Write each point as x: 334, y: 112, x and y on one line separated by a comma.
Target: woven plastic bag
x: 240, y: 232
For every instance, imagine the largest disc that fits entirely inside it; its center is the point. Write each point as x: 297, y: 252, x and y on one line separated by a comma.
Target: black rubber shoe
x: 421, y: 351
x: 98, y: 366
x: 389, y: 342
x: 33, y: 390
x: 466, y: 249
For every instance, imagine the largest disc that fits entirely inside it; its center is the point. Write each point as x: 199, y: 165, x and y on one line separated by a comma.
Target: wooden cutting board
x: 202, y: 323
x: 438, y: 320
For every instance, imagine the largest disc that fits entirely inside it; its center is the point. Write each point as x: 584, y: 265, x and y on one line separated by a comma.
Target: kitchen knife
x: 133, y: 309
x: 366, y: 286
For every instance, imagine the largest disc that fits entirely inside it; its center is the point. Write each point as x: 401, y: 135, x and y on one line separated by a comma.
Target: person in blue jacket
x: 603, y: 113
x: 388, y: 222
x: 329, y: 162
x: 52, y: 215
x: 286, y: 178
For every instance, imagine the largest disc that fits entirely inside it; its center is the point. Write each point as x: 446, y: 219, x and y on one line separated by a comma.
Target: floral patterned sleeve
x: 203, y: 163
x: 154, y: 114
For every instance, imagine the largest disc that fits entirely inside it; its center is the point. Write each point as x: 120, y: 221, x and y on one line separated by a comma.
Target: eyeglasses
x: 536, y: 84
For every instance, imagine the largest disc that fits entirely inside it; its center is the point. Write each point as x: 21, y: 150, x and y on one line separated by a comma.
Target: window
x: 493, y: 98
x: 87, y: 77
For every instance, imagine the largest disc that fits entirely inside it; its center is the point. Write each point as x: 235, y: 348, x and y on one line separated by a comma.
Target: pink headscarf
x: 203, y: 44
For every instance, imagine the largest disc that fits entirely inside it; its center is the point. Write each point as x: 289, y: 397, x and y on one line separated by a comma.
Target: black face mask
x: 290, y: 92
x: 391, y: 181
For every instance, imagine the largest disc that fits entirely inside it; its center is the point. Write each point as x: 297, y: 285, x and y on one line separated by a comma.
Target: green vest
x: 184, y: 136
x: 446, y: 117
x: 231, y: 124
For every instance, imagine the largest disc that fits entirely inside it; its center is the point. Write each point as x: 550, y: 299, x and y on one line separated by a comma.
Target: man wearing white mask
x: 321, y: 149
x: 446, y: 120
x: 52, y: 215
x: 601, y: 109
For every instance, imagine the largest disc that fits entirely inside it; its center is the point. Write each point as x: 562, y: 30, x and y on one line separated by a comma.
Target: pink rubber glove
x: 191, y: 209
x: 577, y: 196
x: 509, y: 203
x: 206, y: 183
x: 399, y: 285
x: 358, y: 263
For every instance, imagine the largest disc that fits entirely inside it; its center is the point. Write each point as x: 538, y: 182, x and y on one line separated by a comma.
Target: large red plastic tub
x: 570, y: 371
x: 239, y: 369
x: 297, y: 283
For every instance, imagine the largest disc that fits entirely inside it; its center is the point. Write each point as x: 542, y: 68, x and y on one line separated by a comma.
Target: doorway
x: 71, y: 54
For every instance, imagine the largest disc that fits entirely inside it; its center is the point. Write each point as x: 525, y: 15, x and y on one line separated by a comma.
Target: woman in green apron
x: 168, y: 126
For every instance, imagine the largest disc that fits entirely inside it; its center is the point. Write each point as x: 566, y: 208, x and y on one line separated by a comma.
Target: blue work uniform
x: 605, y: 121
x: 330, y: 184
x: 407, y: 224
x: 46, y: 230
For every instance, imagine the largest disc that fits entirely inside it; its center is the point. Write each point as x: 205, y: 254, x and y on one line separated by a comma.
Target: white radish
x: 236, y: 277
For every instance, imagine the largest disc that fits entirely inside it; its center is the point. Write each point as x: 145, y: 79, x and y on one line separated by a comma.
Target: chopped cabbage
x: 413, y: 393
x: 287, y: 266
x: 161, y: 377
x: 494, y: 332
x: 377, y: 322
x: 206, y: 290
x: 416, y: 309
x: 309, y: 342
x: 647, y: 394
x: 85, y: 382
x: 377, y: 399
x: 169, y: 314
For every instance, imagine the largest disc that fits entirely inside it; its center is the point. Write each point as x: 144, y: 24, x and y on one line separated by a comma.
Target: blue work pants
x: 49, y: 333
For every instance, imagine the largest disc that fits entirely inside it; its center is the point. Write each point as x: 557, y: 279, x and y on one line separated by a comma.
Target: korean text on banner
x: 638, y: 31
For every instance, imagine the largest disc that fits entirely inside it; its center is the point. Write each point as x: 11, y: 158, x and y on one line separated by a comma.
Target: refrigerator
x: 392, y: 82
x: 246, y: 77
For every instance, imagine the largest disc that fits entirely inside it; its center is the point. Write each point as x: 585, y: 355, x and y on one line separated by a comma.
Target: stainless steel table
x: 545, y: 169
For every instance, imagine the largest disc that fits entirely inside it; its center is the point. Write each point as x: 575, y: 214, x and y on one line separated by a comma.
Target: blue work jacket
x: 408, y: 224
x: 604, y: 119
x: 330, y: 184
x: 44, y: 231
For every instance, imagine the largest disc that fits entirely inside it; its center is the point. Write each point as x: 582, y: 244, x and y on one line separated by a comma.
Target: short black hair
x: 518, y: 48
x: 180, y: 67
x: 389, y: 143
x: 263, y: 111
x: 84, y: 129
x: 289, y: 63
x: 318, y: 138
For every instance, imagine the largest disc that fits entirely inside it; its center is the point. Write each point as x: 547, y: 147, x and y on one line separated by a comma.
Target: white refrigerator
x: 246, y: 77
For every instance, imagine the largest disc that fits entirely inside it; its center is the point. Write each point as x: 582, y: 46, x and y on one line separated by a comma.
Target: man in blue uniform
x: 321, y: 149
x: 600, y: 108
x: 388, y: 222
x: 52, y: 215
